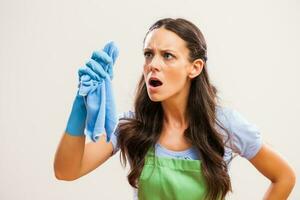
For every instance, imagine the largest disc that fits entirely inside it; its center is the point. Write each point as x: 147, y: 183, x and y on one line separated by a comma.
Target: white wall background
x: 252, y: 59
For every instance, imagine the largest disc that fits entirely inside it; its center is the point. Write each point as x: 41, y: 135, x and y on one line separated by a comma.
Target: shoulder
x: 233, y: 119
x: 226, y: 114
x: 245, y: 136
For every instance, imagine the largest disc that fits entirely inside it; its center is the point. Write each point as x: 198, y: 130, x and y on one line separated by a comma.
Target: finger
x: 108, y: 48
x: 85, y: 78
x: 115, y: 55
x: 111, y: 74
x: 112, y: 50
x: 86, y: 70
x: 97, y: 68
x: 102, y: 57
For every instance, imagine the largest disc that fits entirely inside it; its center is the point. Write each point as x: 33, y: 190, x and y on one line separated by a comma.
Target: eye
x: 168, y: 56
x: 147, y: 54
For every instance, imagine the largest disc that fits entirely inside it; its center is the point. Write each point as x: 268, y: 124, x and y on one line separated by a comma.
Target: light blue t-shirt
x: 245, y: 140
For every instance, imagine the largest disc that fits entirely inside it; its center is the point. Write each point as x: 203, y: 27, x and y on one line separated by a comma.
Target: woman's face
x: 166, y: 58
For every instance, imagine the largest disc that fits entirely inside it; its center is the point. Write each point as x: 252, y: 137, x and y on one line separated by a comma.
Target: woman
x: 178, y: 140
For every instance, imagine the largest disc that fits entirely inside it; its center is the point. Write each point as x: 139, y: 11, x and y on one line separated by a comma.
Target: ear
x: 196, y: 68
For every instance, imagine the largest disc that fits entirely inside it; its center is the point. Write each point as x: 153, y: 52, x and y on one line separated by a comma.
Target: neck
x: 175, y: 115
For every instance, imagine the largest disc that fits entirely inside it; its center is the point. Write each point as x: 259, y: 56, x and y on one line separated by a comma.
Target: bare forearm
x: 279, y: 190
x: 68, y: 157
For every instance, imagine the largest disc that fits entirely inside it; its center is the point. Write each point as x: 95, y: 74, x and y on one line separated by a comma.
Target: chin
x: 155, y: 97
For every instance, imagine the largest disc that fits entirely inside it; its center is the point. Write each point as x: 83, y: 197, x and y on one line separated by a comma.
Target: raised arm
x: 93, y: 112
x: 74, y: 158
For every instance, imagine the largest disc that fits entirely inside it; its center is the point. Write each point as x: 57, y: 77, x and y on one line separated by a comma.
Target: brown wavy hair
x: 140, y: 132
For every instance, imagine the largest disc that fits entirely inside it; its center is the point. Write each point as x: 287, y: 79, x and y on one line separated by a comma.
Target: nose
x: 155, y: 63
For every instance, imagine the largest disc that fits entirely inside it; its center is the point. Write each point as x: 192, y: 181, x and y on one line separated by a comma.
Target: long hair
x: 140, y: 132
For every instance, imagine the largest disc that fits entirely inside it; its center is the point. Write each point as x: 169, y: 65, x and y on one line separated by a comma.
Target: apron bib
x: 165, y: 178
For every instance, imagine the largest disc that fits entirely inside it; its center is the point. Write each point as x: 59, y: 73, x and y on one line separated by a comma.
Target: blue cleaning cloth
x: 96, y: 87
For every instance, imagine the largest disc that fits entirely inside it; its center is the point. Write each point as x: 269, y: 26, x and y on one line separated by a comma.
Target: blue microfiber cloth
x: 96, y: 87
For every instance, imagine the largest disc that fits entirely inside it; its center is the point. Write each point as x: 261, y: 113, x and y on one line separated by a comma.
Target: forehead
x: 162, y: 39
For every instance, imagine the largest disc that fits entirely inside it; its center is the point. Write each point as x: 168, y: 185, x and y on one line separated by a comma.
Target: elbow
x: 288, y: 179
x: 63, y: 176
x: 60, y: 177
x: 292, y: 178
x: 289, y: 182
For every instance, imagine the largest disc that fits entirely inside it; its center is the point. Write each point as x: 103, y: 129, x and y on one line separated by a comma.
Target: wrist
x: 77, y: 118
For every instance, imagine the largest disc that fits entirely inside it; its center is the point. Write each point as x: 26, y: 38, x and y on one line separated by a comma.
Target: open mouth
x: 155, y: 82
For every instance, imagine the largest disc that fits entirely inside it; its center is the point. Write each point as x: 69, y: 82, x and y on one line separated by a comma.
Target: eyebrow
x: 163, y: 50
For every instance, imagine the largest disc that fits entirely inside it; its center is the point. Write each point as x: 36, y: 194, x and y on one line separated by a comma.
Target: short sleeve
x: 246, y: 137
x: 114, y: 136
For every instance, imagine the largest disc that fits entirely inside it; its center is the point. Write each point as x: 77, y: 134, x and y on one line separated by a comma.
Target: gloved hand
x: 95, y: 85
x: 77, y: 119
x: 86, y: 108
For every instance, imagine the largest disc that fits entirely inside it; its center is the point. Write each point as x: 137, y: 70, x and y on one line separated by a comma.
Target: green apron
x: 164, y: 178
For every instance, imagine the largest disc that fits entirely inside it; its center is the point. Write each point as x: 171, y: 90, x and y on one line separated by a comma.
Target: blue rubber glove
x: 76, y: 121
x: 95, y: 85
